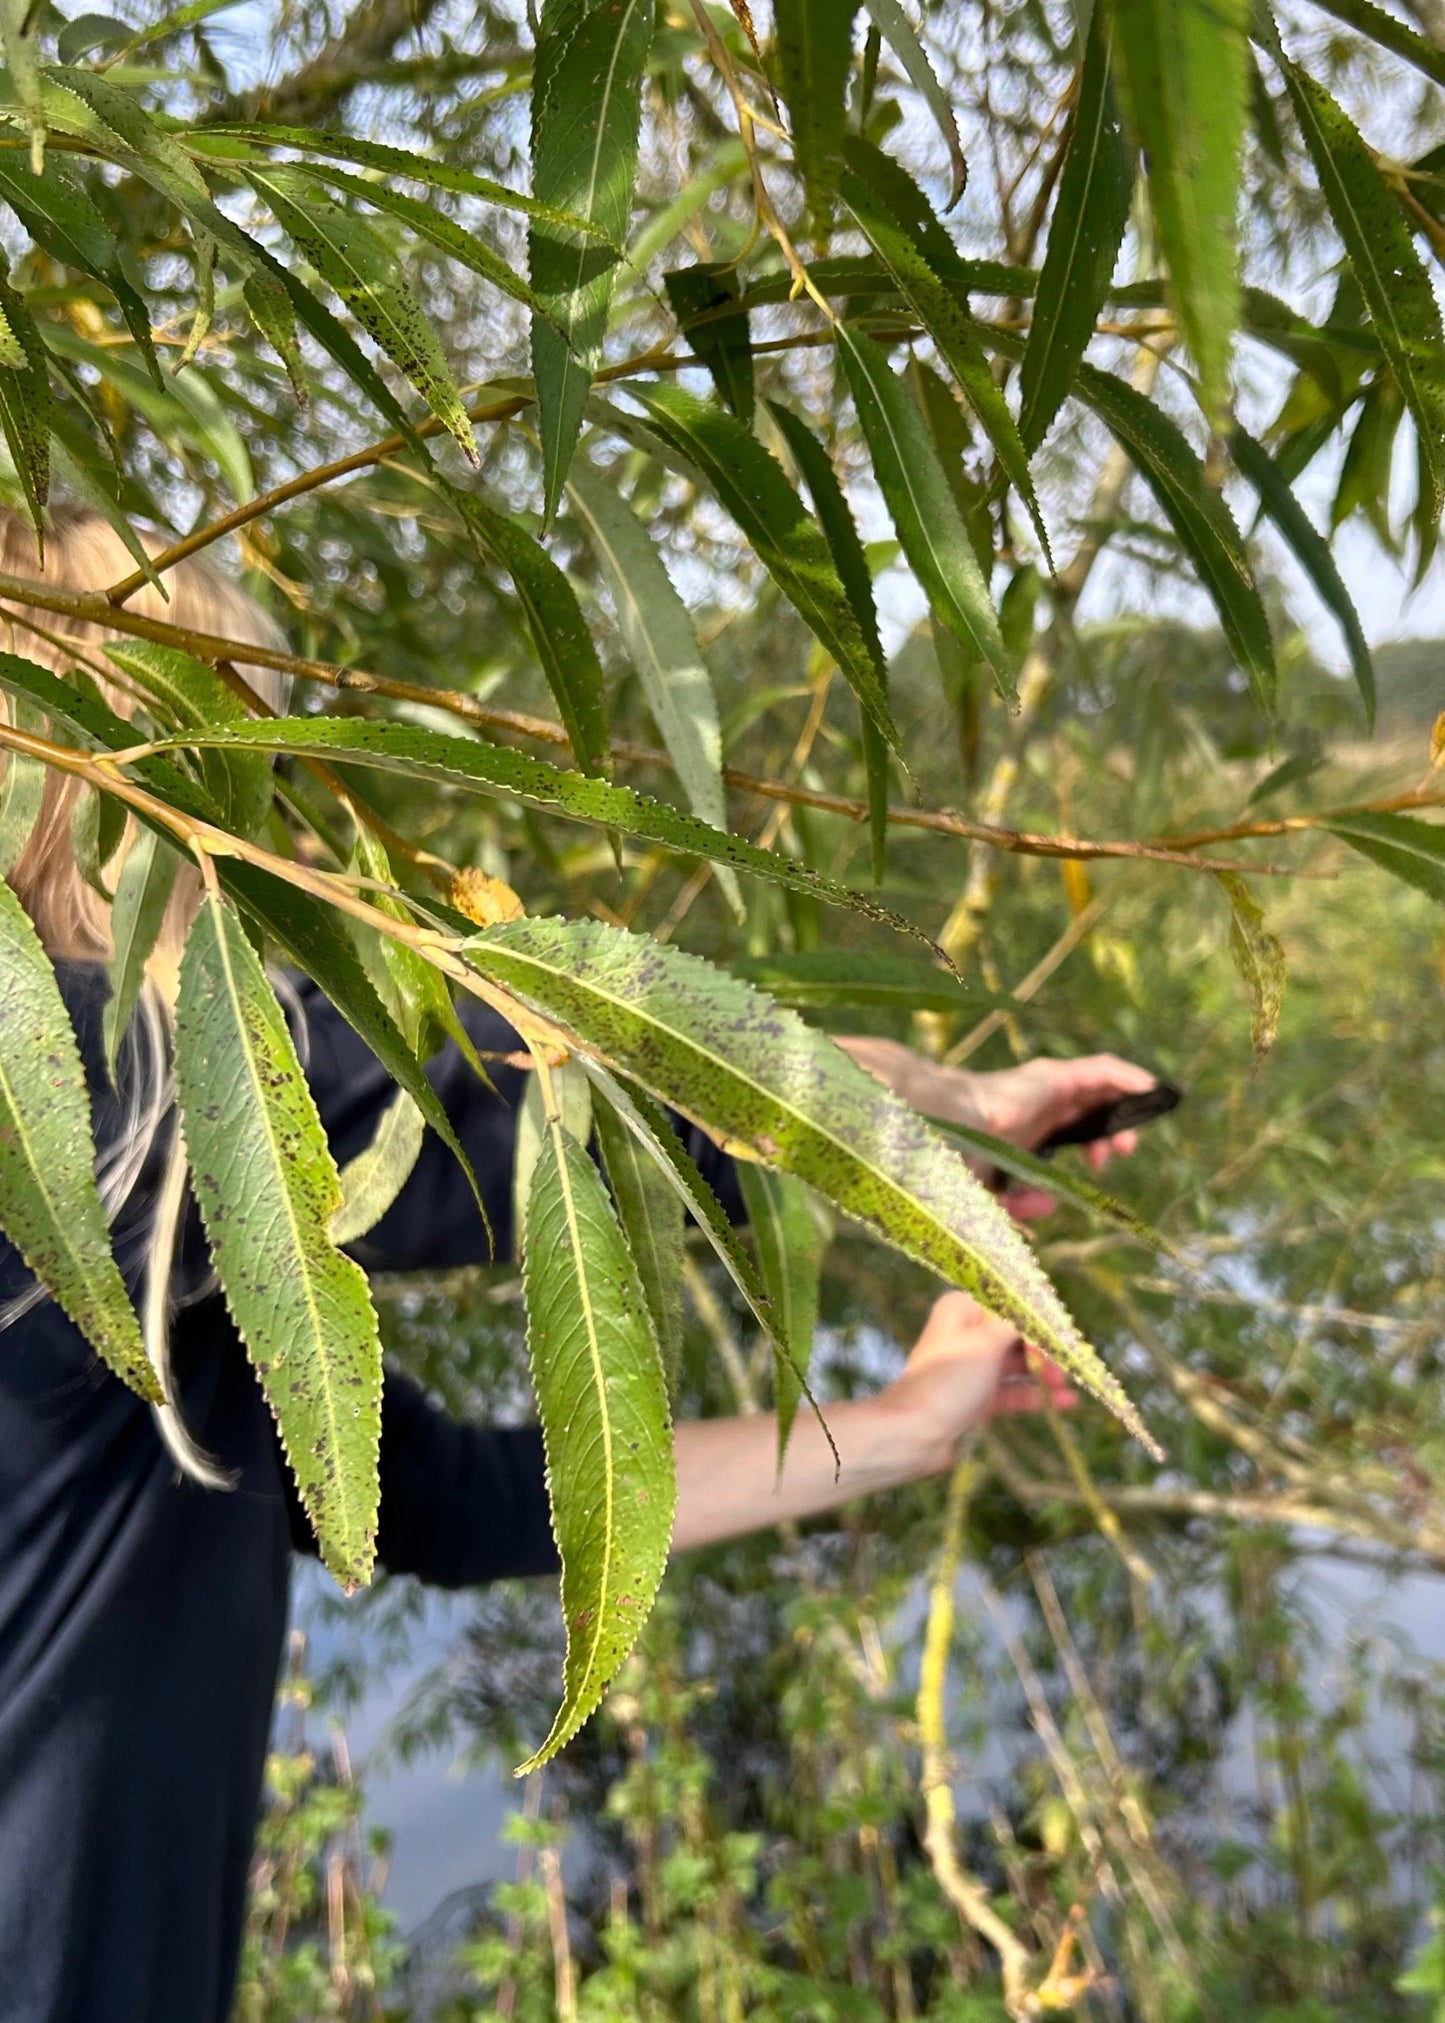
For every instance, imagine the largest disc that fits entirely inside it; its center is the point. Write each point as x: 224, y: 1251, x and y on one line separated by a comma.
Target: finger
x: 1027, y: 1397
x: 1027, y: 1204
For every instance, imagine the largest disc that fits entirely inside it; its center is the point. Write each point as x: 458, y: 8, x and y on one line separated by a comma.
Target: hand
x: 967, y: 1368
x: 1028, y: 1103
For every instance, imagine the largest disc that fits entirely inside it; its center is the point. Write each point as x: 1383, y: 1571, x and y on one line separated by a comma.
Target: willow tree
x: 521, y: 355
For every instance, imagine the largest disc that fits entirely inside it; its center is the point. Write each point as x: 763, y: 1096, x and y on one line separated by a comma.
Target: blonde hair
x: 82, y: 553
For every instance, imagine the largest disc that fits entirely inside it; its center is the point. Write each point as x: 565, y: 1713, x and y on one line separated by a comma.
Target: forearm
x: 727, y: 1475
x: 916, y: 1079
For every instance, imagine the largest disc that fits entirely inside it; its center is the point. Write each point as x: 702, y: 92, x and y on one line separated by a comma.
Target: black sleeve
x: 434, y: 1223
x: 459, y: 1504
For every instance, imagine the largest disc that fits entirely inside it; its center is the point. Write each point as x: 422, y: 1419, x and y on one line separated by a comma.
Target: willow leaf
x: 754, y: 1073
x: 142, y: 894
x: 815, y: 467
x: 834, y: 979
x: 1258, y: 956
x: 790, y: 1258
x: 50, y: 1208
x: 650, y: 1211
x: 921, y: 503
x: 586, y: 107
x: 267, y: 1187
x: 749, y: 483
x: 358, y: 266
x: 944, y: 315
x: 1391, y: 33
x: 602, y: 1396
x: 188, y: 691
x: 554, y: 619
x: 1090, y: 217
x: 370, y: 154
x: 18, y: 21
x: 814, y: 57
x: 1382, y: 253
x: 436, y: 227
x: 468, y: 763
x: 60, y: 217
x: 701, y: 298
x: 25, y: 407
x: 1311, y: 551
x: 1050, y: 1178
x: 372, y: 1180
x: 902, y: 38
x: 1409, y: 849
x: 571, y: 1095
x: 22, y: 791
x: 662, y: 646
x: 1183, y: 68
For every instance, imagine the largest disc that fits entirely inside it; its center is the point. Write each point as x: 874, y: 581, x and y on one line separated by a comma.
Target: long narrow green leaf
x: 18, y: 20
x: 921, y: 504
x: 660, y: 1145
x: 59, y: 215
x: 189, y: 693
x: 650, y: 1211
x: 661, y: 645
x: 835, y: 979
x: 1090, y: 217
x: 22, y: 790
x: 467, y: 763
x: 899, y: 33
x: 946, y: 319
x: 1407, y: 848
x: 814, y: 56
x: 721, y: 338
x: 602, y: 1396
x: 559, y: 631
x: 1059, y: 1180
x: 49, y: 1205
x: 1183, y: 68
x: 586, y: 106
x: 25, y: 407
x: 1258, y: 956
x: 436, y: 227
x: 1311, y: 551
x: 571, y: 1095
x: 267, y: 1188
x: 372, y: 1180
x: 749, y: 483
x: 745, y: 1068
x: 370, y: 154
x: 790, y: 1258
x: 354, y: 262
x: 142, y: 894
x: 1391, y: 33
x: 1390, y: 272
x: 815, y: 467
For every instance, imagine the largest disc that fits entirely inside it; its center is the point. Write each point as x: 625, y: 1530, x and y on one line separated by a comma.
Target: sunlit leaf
x: 1090, y: 216
x: 586, y: 105
x: 1183, y: 67
x: 742, y: 1066
x: 142, y: 895
x: 372, y: 1180
x: 59, y: 215
x: 1401, y: 844
x: 650, y: 1211
x: 49, y: 1205
x: 814, y: 57
x: 1259, y: 957
x: 189, y: 692
x: 25, y: 405
x: 1382, y: 253
x: 357, y: 265
x: 267, y: 1188
x: 602, y: 1396
x: 662, y: 647
x: 899, y: 33
x: 921, y: 504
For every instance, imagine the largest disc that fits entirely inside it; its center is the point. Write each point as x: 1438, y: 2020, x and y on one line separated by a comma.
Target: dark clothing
x: 142, y: 1617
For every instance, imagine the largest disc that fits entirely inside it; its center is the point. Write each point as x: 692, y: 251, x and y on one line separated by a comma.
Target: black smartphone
x: 1105, y: 1120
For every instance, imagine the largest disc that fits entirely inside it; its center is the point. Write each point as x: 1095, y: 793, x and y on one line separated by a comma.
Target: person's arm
x: 965, y: 1369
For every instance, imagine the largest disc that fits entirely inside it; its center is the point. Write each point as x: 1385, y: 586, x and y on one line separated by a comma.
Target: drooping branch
x: 314, y: 93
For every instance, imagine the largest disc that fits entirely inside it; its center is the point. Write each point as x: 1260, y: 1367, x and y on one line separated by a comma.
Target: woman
x: 141, y: 1611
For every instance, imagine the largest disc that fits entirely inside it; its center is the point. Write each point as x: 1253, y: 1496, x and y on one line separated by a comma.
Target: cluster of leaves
x: 158, y: 214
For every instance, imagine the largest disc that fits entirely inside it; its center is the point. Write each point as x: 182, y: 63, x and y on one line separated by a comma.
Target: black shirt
x: 142, y: 1616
